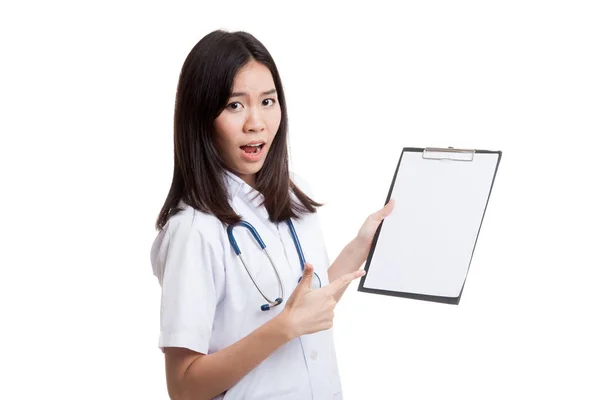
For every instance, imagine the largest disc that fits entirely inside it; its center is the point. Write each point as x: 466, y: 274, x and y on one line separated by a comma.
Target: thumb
x: 303, y: 284
x: 386, y: 210
x: 306, y: 276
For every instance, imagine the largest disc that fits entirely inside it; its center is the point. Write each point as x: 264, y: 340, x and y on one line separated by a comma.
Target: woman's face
x: 251, y: 117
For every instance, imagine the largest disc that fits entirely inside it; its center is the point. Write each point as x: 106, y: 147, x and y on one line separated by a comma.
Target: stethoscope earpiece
x: 267, y: 307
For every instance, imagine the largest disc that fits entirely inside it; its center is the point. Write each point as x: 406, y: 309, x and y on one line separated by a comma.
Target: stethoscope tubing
x: 278, y: 300
x: 238, y: 252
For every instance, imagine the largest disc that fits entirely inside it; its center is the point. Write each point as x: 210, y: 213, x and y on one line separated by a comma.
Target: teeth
x: 254, y: 145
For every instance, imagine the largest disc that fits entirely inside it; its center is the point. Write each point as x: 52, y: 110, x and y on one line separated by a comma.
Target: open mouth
x: 252, y: 148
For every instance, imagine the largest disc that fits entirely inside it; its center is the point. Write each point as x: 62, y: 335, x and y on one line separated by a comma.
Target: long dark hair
x: 204, y: 87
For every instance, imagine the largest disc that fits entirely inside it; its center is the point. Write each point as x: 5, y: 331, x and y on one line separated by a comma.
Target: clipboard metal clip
x: 450, y: 153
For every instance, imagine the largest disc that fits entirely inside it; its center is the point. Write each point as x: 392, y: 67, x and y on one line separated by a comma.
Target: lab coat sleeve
x: 189, y: 289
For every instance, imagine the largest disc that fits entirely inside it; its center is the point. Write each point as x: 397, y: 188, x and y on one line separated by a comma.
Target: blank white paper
x: 425, y: 245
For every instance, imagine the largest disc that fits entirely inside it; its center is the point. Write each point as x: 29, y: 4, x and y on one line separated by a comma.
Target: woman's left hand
x: 367, y: 231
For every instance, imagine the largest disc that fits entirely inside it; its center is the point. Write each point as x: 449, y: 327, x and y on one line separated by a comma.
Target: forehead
x: 253, y: 77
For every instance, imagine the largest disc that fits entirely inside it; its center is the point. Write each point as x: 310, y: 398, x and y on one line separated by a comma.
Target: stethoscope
x: 316, y: 283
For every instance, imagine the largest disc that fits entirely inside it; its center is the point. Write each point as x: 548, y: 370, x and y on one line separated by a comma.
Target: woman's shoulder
x: 187, y: 227
x: 191, y: 220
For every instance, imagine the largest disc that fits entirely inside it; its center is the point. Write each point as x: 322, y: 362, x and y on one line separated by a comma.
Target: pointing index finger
x: 343, y: 281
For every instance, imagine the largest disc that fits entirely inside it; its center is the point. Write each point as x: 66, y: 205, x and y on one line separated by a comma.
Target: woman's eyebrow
x: 240, y: 94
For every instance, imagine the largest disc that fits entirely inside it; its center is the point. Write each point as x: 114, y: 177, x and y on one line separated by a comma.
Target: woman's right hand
x: 311, y: 310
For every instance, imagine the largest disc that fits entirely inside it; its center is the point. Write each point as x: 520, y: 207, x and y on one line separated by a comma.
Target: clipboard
x: 423, y: 250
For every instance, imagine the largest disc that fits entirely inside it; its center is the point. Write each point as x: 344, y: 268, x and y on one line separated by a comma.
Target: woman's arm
x: 350, y: 259
x: 195, y: 376
x: 356, y: 252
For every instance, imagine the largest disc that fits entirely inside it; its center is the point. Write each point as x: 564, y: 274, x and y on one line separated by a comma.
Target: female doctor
x: 238, y: 321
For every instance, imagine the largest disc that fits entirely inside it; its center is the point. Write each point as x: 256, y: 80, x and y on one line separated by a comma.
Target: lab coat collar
x: 237, y: 187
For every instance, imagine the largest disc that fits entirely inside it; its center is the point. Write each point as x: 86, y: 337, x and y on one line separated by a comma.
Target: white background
x: 87, y: 92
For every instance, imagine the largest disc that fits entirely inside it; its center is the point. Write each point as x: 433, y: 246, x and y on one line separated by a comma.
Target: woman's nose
x: 255, y: 121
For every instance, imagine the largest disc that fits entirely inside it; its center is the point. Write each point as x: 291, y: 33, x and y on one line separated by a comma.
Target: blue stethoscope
x: 270, y: 303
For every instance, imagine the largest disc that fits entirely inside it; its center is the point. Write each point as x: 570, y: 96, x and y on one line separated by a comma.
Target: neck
x: 250, y: 180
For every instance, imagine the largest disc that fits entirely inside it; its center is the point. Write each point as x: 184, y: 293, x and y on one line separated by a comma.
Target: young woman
x: 237, y: 321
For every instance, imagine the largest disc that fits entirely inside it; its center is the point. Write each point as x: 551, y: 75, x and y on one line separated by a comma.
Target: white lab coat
x: 208, y: 301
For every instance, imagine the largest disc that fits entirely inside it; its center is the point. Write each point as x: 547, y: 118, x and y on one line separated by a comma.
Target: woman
x: 223, y: 337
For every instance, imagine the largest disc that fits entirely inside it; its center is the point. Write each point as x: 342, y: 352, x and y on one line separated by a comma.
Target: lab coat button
x: 313, y: 355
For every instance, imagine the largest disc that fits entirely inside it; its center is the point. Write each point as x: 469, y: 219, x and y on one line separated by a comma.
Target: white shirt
x: 209, y: 302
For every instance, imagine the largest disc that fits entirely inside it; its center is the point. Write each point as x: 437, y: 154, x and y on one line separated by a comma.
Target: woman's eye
x: 236, y: 105
x: 267, y: 102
